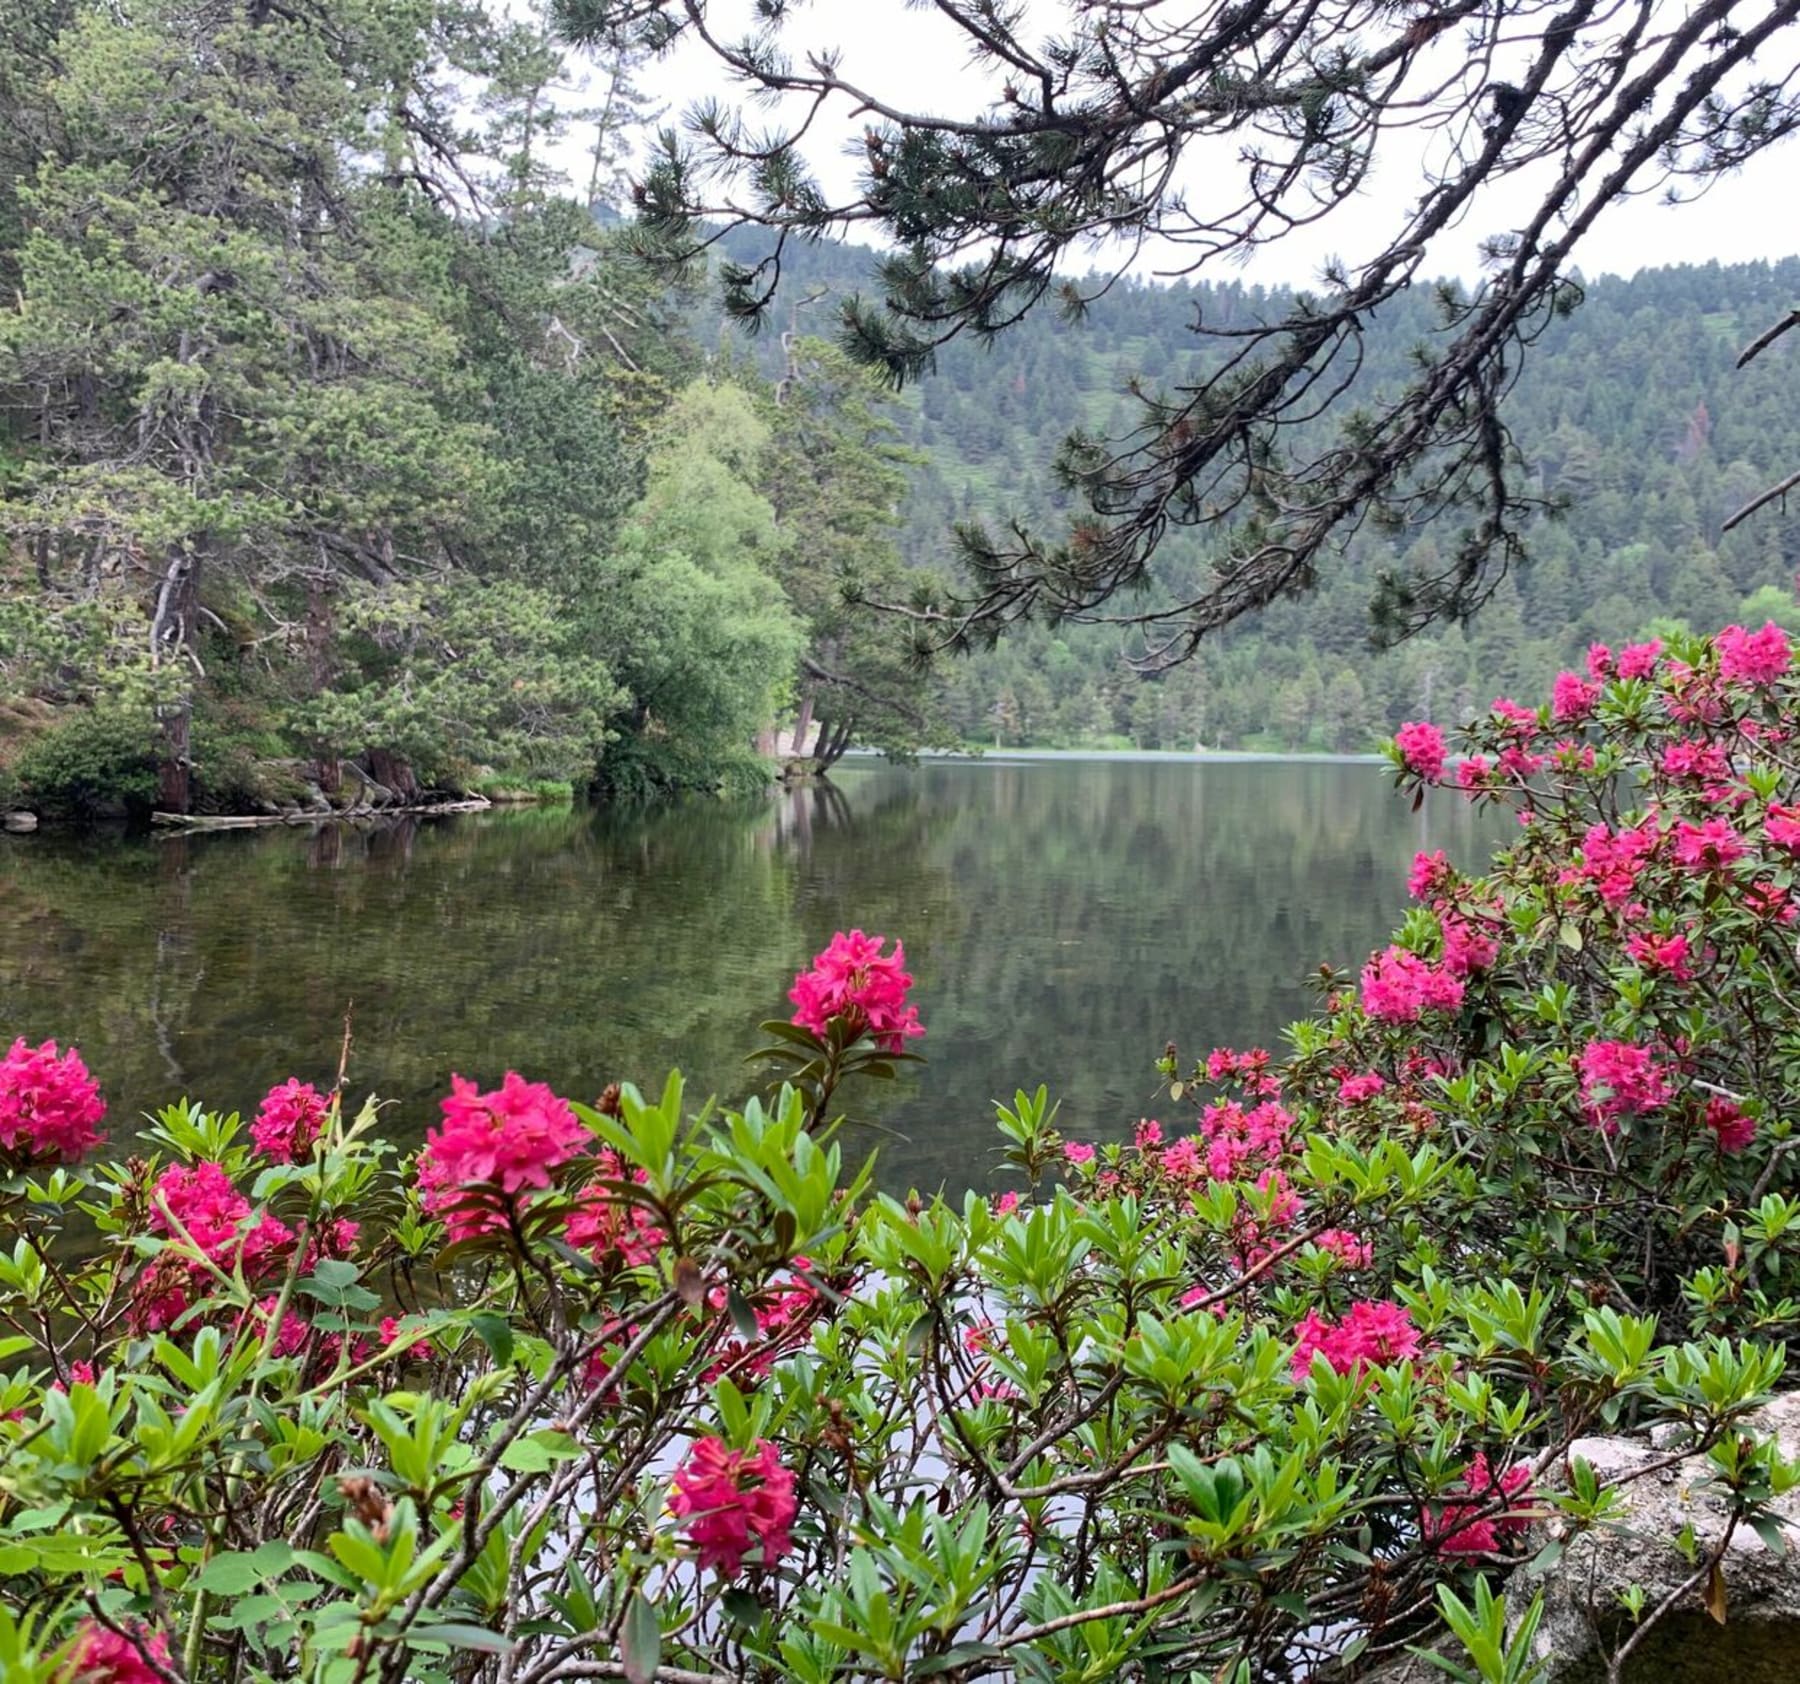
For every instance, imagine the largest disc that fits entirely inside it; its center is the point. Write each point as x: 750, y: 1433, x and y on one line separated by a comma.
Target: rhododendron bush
x: 1281, y: 1384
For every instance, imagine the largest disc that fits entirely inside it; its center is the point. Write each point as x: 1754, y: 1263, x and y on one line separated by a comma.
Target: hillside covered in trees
x: 1634, y: 422
x: 348, y: 451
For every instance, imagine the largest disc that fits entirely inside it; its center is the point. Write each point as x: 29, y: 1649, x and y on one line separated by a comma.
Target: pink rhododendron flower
x: 1620, y: 1080
x: 1668, y: 954
x: 1638, y: 660
x: 1397, y: 986
x: 1350, y: 1249
x: 1758, y: 657
x: 1472, y: 1528
x: 1572, y: 697
x: 1353, y: 1090
x: 212, y: 1211
x: 419, y: 1349
x: 1472, y: 773
x: 851, y: 979
x: 1006, y: 1204
x: 1770, y: 900
x: 1731, y: 1126
x: 1599, y: 662
x: 289, y: 1121
x: 1421, y: 746
x: 511, y: 1139
x: 1149, y: 1134
x: 50, y: 1107
x: 1374, y: 1331
x: 100, y: 1656
x: 1078, y: 1152
x: 1430, y: 875
x: 1182, y: 1161
x: 1519, y: 720
x: 1782, y: 827
x: 1612, y: 862
x: 1467, y: 948
x: 734, y: 1502
x: 1707, y: 847
x: 604, y: 1221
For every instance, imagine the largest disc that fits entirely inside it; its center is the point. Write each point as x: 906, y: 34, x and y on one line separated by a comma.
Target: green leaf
x: 460, y: 1636
x: 640, y: 1641
x: 229, y: 1575
x: 496, y: 1333
x: 960, y: 1654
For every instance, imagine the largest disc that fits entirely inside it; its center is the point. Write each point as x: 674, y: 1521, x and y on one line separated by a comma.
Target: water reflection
x: 1064, y: 920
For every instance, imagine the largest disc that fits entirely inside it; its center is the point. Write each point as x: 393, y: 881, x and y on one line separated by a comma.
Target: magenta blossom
x: 1572, y: 696
x: 1620, y: 1080
x: 134, y: 1655
x: 50, y: 1107
x: 1758, y: 657
x: 289, y: 1121
x: 510, y: 1139
x: 734, y: 1502
x: 852, y: 979
x: 1638, y: 660
x: 1732, y: 1127
x: 1421, y: 746
x: 1397, y: 986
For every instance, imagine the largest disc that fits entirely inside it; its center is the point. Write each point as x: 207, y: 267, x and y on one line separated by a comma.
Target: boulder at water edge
x: 1584, y: 1620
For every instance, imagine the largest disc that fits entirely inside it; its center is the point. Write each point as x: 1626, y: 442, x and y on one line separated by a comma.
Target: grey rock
x: 18, y: 823
x: 1583, y: 1619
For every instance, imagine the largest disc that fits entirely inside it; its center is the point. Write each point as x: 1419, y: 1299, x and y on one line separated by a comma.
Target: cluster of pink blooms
x: 1353, y: 1251
x: 1782, y: 826
x: 733, y: 1502
x: 1251, y: 1070
x: 50, y: 1107
x: 200, y: 1204
x: 1238, y: 1139
x: 1397, y: 986
x: 785, y: 1315
x: 1620, y: 1080
x: 289, y: 1121
x: 101, y: 1656
x: 1748, y: 657
x: 507, y: 1142
x: 1422, y: 747
x: 1467, y: 947
x: 1480, y: 1525
x: 1668, y: 954
x: 604, y: 1221
x: 1572, y: 697
x: 1612, y: 863
x: 1356, y: 1090
x: 1708, y: 847
x: 1431, y: 875
x: 1372, y: 1331
x: 1731, y: 1125
x: 851, y: 979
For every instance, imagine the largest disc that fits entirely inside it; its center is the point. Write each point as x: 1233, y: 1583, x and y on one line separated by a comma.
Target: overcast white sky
x: 913, y: 56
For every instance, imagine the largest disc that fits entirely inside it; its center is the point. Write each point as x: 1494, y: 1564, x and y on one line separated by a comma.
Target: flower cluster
x: 607, y: 1220
x: 1620, y: 1080
x: 734, y: 1502
x: 1372, y: 1331
x: 491, y: 1148
x: 133, y: 1655
x: 289, y: 1120
x: 852, y: 979
x: 1489, y: 1517
x: 50, y: 1107
x: 1397, y: 986
x: 1422, y: 747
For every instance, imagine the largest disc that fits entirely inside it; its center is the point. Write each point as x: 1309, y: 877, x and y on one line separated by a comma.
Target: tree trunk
x: 803, y: 724
x: 832, y: 743
x: 321, y: 621
x: 171, y: 639
x: 386, y: 767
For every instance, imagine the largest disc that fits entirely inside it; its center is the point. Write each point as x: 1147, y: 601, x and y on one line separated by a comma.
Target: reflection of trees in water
x: 1063, y: 921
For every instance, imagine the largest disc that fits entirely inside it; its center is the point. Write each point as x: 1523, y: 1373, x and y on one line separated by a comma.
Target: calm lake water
x: 1065, y: 919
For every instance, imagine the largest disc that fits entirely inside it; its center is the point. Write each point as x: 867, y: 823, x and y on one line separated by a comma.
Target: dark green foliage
x: 92, y: 762
x: 1632, y: 419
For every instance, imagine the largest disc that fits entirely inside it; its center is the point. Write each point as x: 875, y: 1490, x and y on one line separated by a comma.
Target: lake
x: 1065, y: 918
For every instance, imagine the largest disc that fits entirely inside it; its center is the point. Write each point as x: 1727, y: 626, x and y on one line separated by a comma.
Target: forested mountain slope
x: 1630, y: 412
